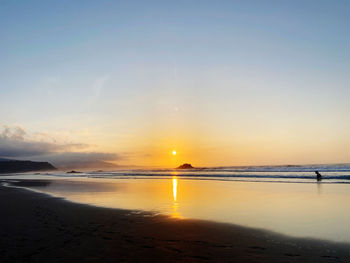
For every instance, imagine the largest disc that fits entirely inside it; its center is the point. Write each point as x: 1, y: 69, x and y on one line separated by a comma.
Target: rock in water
x: 185, y: 166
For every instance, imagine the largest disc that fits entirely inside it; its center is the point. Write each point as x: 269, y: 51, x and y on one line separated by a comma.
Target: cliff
x: 16, y: 166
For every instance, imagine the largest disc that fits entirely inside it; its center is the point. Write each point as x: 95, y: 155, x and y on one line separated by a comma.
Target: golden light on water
x: 175, y: 188
x: 273, y: 206
x: 175, y: 205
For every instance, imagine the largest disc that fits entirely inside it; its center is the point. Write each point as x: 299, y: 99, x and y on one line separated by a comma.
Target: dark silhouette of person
x: 318, y: 176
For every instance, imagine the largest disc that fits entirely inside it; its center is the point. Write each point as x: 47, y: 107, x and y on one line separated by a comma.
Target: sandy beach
x: 36, y: 227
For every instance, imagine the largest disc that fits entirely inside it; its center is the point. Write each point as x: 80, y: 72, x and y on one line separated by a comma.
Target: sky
x: 220, y: 82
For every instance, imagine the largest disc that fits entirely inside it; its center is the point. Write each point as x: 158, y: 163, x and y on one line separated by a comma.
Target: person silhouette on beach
x: 318, y: 176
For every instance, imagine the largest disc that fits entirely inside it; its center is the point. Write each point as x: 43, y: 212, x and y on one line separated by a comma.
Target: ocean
x: 339, y: 173
x: 284, y: 199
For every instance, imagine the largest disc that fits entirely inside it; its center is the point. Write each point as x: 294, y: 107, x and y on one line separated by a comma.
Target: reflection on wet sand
x: 294, y: 209
x: 175, y: 213
x: 175, y: 188
x: 319, y: 188
x: 30, y: 183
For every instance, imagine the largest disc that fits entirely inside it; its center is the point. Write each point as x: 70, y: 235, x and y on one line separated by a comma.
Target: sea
x: 286, y: 199
x: 335, y: 173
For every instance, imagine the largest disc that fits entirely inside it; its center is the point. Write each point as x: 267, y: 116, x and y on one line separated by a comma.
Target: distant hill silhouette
x: 85, y: 165
x: 17, y: 166
x: 185, y: 166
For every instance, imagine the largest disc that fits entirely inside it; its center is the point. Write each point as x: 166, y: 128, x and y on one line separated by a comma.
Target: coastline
x: 37, y: 227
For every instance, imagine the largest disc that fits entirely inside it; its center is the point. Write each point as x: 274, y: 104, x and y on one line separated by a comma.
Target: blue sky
x: 226, y: 82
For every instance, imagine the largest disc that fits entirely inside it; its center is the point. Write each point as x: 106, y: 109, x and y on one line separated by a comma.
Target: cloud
x: 85, y: 156
x: 81, y: 159
x: 15, y: 142
x: 15, y: 133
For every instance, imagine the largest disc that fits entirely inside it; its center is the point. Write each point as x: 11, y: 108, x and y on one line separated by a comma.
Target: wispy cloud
x: 100, y: 83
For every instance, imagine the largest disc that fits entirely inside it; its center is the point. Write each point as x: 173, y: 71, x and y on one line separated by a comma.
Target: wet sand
x: 38, y: 228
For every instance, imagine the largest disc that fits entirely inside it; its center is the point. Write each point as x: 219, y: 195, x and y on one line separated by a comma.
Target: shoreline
x: 37, y: 227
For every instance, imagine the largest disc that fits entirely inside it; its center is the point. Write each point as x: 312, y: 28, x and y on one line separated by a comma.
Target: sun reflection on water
x: 175, y: 206
x: 175, y: 188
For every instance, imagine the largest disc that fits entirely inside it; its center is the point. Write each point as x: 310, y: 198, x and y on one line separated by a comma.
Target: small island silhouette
x: 185, y: 166
x: 73, y: 172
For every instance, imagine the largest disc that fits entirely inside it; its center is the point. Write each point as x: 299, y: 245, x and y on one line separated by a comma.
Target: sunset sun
x: 174, y: 152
